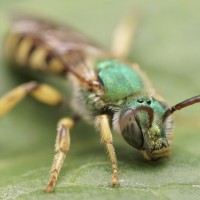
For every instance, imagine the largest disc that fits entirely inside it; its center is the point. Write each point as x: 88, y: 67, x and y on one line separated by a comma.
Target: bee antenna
x: 179, y: 106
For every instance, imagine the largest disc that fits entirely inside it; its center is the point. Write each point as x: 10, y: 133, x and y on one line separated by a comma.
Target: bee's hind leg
x: 61, y: 148
x: 48, y: 95
x: 42, y: 92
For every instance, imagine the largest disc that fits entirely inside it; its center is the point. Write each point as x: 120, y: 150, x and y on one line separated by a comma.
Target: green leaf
x: 167, y: 48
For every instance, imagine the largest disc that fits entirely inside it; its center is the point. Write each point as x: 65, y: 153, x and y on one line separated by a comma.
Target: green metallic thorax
x: 119, y: 80
x: 133, y: 112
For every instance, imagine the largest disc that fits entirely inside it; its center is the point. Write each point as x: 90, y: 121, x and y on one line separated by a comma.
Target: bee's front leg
x: 106, y: 138
x: 61, y: 148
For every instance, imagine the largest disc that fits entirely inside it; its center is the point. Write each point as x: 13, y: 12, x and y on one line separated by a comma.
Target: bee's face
x: 142, y: 127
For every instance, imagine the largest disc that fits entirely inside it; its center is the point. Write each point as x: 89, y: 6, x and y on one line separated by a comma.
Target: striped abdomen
x: 26, y: 50
x: 49, y: 47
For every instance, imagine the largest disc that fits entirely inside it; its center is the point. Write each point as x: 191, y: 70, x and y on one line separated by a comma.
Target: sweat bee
x: 108, y: 91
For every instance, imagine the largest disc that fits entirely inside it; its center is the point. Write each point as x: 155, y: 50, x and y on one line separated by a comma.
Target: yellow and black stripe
x: 26, y: 50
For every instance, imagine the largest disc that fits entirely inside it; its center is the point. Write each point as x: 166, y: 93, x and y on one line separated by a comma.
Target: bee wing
x: 72, y: 48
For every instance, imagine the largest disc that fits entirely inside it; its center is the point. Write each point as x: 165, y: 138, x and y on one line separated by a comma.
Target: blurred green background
x: 167, y: 47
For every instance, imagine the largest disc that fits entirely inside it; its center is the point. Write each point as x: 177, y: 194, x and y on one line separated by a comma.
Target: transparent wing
x: 74, y: 49
x: 59, y: 38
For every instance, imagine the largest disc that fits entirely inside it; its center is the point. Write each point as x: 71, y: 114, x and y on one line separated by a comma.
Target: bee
x: 107, y: 90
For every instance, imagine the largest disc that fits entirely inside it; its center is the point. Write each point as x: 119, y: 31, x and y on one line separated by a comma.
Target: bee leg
x: 61, y: 148
x: 123, y: 35
x: 106, y: 138
x: 42, y: 92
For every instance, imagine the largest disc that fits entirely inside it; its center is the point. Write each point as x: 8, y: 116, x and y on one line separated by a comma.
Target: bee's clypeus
x: 107, y: 90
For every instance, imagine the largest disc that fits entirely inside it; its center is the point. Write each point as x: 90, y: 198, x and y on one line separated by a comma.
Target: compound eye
x: 130, y: 129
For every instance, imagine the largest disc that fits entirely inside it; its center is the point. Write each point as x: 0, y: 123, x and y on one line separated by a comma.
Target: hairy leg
x: 123, y: 35
x: 41, y: 92
x: 106, y: 138
x: 61, y: 148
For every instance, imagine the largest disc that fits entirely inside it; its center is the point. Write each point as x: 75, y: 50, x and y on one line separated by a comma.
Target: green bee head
x: 141, y: 125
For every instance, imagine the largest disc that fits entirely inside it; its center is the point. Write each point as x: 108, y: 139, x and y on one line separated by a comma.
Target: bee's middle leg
x: 124, y: 34
x: 61, y: 148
